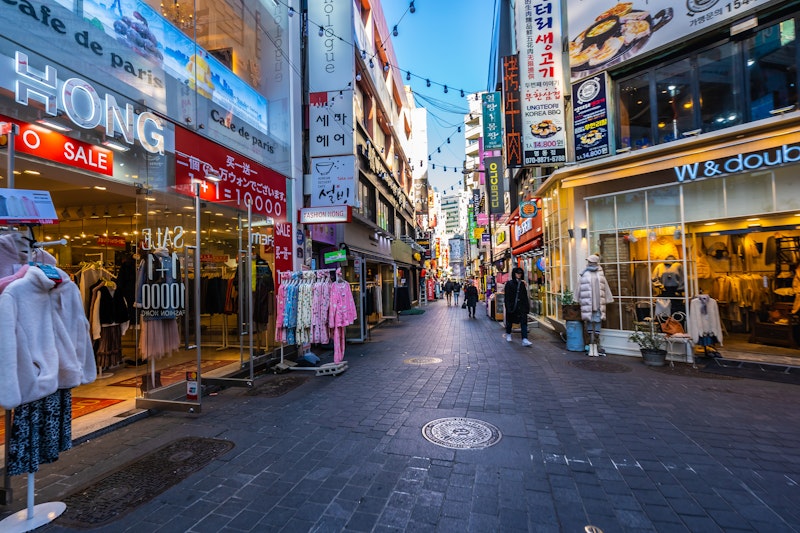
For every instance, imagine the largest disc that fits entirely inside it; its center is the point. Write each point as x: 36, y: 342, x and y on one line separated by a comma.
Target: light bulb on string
x: 358, y: 77
x: 445, y: 88
x: 411, y: 7
x: 394, y: 30
x: 363, y: 54
x: 439, y: 149
x: 291, y: 11
x: 429, y: 158
x: 459, y: 129
x: 427, y: 83
x: 408, y: 75
x: 386, y: 67
x: 371, y: 63
x: 448, y: 140
x: 321, y: 31
x: 462, y: 93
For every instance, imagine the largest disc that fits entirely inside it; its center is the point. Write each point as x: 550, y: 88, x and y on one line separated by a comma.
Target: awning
x: 751, y: 137
x: 537, y: 242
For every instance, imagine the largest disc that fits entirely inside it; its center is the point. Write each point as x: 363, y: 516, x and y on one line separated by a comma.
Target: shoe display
x: 508, y: 338
x: 526, y: 342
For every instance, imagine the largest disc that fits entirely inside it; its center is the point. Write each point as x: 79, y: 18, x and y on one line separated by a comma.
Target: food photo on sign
x: 609, y: 37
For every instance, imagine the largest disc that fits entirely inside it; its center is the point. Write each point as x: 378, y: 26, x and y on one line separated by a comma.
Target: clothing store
x: 527, y: 247
x: 162, y: 230
x: 687, y: 228
x: 372, y: 272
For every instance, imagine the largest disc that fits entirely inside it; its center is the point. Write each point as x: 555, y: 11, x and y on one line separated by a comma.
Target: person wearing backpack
x: 517, y: 305
x: 448, y: 292
x: 456, y: 292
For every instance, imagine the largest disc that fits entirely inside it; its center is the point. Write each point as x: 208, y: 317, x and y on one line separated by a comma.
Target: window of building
x: 771, y: 60
x: 727, y: 84
x: 366, y: 200
x: 383, y: 215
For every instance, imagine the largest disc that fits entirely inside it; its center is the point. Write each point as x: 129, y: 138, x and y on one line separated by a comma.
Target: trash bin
x: 575, y: 336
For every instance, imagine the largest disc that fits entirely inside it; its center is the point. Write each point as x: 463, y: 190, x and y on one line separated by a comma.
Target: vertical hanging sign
x: 492, y: 124
x: 494, y: 185
x: 511, y: 110
x: 541, y: 81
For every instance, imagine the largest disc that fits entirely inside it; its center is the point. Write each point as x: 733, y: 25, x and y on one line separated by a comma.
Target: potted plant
x: 569, y: 309
x: 651, y: 345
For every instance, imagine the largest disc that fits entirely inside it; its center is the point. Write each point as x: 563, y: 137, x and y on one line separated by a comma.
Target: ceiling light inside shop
x: 753, y: 219
x: 709, y: 223
x: 121, y: 212
x: 53, y: 125
x: 106, y: 214
x: 99, y: 187
x: 32, y: 172
x: 114, y: 145
x: 94, y: 214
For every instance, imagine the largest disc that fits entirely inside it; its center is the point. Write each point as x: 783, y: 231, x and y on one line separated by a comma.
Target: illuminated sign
x: 495, y: 183
x: 326, y: 215
x: 84, y: 107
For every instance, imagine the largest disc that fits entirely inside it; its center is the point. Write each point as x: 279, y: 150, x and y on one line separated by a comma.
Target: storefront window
x: 719, y: 93
x: 601, y: 213
x: 771, y: 59
x: 787, y: 188
x: 674, y: 101
x: 703, y: 200
x: 749, y: 193
x: 663, y: 205
x: 631, y: 210
x: 634, y: 111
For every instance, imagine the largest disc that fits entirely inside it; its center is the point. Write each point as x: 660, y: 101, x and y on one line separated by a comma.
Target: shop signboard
x: 335, y: 256
x: 111, y: 241
x: 47, y: 144
x: 22, y: 206
x: 326, y: 215
x: 330, y: 117
x: 590, y: 118
x: 232, y: 180
x: 512, y: 111
x: 494, y: 179
x: 333, y: 180
x: 492, y: 104
x: 603, y: 36
x: 330, y: 55
x: 541, y: 82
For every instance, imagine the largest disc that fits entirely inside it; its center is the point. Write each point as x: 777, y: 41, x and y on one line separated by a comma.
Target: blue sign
x: 590, y: 118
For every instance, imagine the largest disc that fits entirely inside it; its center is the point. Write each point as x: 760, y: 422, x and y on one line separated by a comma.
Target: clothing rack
x: 328, y: 369
x: 34, y: 515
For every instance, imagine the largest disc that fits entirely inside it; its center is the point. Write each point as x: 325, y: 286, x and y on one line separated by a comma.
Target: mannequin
x: 594, y: 294
x: 668, y: 276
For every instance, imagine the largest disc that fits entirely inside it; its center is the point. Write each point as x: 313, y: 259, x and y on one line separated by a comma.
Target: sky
x: 447, y: 42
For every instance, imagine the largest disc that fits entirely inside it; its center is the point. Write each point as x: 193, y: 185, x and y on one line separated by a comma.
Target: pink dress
x: 341, y: 313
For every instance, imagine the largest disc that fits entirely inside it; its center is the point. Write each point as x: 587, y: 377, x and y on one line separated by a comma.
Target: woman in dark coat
x: 517, y: 305
x: 470, y: 297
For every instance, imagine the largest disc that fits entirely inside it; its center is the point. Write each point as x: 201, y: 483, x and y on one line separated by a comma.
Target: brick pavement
x: 634, y: 451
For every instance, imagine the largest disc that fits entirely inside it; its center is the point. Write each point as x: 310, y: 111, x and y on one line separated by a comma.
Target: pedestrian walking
x: 456, y: 292
x: 517, y: 305
x: 448, y: 292
x: 471, y: 298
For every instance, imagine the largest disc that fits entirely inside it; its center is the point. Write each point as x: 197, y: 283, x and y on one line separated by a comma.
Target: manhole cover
x: 597, y: 365
x: 461, y: 433
x: 277, y: 386
x: 422, y: 360
x: 125, y: 489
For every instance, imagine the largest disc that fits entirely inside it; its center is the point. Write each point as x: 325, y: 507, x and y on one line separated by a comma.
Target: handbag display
x: 670, y: 326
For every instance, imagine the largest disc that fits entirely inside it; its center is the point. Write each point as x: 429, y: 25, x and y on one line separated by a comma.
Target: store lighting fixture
x: 32, y: 172
x: 53, y: 125
x: 106, y: 214
x: 709, y: 223
x: 99, y: 187
x: 571, y: 233
x: 114, y: 145
x: 120, y: 211
x: 94, y: 214
x: 64, y: 214
x: 583, y: 233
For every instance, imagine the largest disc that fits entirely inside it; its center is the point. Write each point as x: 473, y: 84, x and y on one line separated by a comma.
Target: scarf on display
x: 594, y: 285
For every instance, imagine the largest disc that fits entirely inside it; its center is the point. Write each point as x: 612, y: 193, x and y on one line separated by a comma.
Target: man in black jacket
x: 517, y: 305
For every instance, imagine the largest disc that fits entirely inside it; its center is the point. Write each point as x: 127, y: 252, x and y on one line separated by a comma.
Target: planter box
x: 654, y: 357
x: 571, y: 312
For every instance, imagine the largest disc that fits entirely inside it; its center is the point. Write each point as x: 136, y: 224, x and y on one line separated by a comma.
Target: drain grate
x: 422, y: 360
x: 277, y: 386
x: 461, y: 433
x: 125, y: 489
x: 597, y: 365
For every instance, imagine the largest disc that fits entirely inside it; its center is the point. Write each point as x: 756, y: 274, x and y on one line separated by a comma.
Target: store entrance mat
x: 175, y: 373
x: 80, y: 407
x: 118, y: 493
